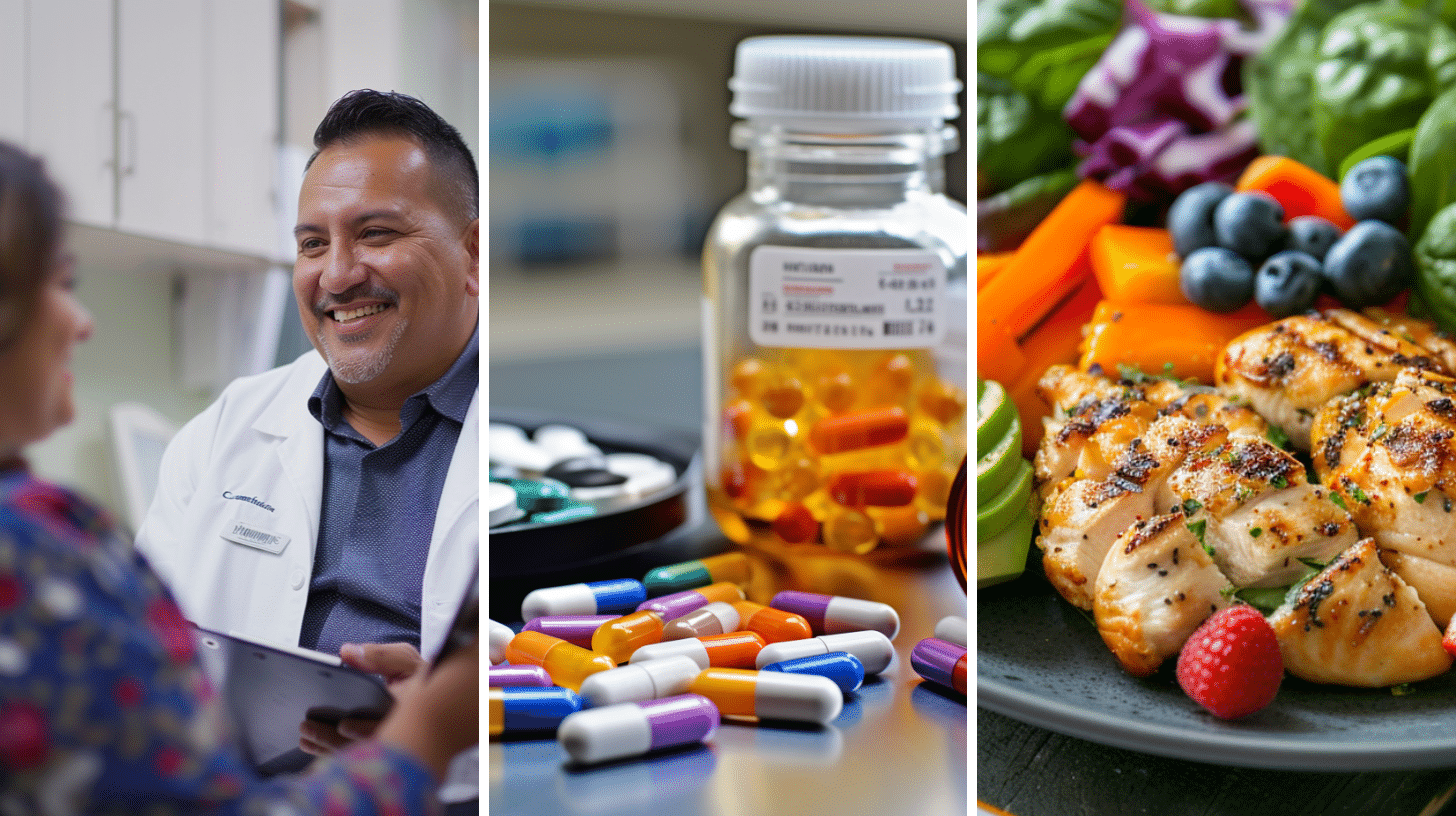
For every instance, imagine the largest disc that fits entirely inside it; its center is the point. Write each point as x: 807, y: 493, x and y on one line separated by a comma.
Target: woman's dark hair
x: 31, y: 208
x: 366, y: 112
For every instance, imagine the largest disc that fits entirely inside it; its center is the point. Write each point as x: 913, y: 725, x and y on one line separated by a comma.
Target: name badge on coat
x: 252, y: 528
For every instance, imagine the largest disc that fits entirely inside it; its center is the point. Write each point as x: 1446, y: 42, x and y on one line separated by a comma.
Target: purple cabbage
x: 1169, y: 86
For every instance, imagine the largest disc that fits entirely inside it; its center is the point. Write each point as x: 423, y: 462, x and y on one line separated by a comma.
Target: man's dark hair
x: 362, y: 113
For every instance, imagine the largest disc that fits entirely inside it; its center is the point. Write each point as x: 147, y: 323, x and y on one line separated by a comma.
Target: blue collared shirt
x: 379, y: 509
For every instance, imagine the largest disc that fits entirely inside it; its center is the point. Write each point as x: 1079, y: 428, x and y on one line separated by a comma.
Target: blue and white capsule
x: 842, y: 667
x: 615, y: 597
x: 523, y: 708
x: 872, y: 649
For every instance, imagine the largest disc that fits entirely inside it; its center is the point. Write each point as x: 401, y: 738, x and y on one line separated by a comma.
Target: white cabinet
x: 70, y: 110
x: 159, y: 118
x: 12, y: 72
x: 160, y: 124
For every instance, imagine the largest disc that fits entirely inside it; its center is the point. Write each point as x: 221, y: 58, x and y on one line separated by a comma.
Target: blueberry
x: 1369, y: 265
x: 1216, y: 279
x: 1190, y: 219
x: 1287, y: 283
x: 1250, y: 223
x: 1377, y: 187
x: 1312, y: 235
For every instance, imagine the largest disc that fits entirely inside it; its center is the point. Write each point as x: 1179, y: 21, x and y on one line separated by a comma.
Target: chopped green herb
x: 1421, y: 497
x: 1358, y: 495
x: 1208, y: 548
x: 1380, y: 430
x: 1256, y: 531
x: 1191, y: 506
x: 1168, y: 369
x: 1402, y: 690
x: 1339, y: 502
x: 1264, y: 599
x: 1278, y: 436
x: 1132, y: 373
x: 1197, y: 528
x: 1279, y: 481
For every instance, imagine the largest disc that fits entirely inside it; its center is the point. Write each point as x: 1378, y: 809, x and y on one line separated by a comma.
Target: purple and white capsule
x: 632, y: 729
x: 617, y: 596
x: 952, y: 628
x: 577, y: 629
x: 872, y: 648
x: 526, y: 675
x: 835, y: 614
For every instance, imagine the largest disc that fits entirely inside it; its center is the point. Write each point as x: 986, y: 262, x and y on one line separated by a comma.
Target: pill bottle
x: 834, y: 371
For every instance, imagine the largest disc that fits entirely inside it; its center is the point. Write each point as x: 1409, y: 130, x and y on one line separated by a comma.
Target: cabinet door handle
x: 126, y: 151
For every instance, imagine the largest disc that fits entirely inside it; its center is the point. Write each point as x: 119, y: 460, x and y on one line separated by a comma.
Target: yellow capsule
x: 899, y: 526
x: 934, y: 492
x: 926, y: 443
x: 783, y: 396
x: 620, y: 637
x: 794, y: 479
x: 768, y: 442
x: 941, y: 400
x: 851, y: 531
x: 567, y: 663
x: 748, y: 377
x: 835, y: 391
x: 890, y: 380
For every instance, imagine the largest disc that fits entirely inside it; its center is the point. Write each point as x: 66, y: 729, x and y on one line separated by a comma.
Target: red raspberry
x: 1231, y: 665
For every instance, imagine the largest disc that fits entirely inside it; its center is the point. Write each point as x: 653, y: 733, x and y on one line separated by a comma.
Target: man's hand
x: 395, y: 662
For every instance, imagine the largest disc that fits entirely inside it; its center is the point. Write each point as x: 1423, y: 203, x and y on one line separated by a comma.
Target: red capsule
x: 862, y: 429
x: 873, y: 488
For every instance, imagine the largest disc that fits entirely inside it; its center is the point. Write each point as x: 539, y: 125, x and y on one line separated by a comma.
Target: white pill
x: 519, y: 453
x: 564, y: 442
x: 503, y: 506
x: 500, y: 637
x: 953, y: 629
x: 643, y: 680
x: 872, y: 648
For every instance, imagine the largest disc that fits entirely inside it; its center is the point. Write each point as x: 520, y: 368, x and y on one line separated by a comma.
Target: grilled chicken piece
x: 1392, y: 458
x: 1356, y: 623
x: 1156, y: 585
x: 1289, y: 369
x: 1434, y: 582
x: 1259, y: 513
x: 1436, y: 343
x: 1094, y: 419
x: 1082, y: 517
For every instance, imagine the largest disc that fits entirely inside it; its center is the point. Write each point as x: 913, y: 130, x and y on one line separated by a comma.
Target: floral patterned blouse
x: 104, y: 708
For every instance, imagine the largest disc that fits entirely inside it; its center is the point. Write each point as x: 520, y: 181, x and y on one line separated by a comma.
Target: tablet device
x: 270, y: 689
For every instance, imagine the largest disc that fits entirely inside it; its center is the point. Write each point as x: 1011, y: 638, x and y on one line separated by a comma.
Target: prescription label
x: 846, y: 298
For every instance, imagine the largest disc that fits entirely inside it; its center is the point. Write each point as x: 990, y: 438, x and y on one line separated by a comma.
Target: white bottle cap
x: 845, y: 84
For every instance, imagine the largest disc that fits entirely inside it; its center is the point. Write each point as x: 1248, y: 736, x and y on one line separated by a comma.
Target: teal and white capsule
x: 730, y: 566
x: 615, y: 597
x: 872, y: 649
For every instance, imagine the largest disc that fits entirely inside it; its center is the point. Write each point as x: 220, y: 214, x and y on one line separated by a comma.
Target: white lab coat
x: 251, y: 468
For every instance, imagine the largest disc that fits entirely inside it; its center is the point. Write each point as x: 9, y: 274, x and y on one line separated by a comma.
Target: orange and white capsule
x: 567, y: 663
x: 620, y: 637
x: 736, y: 650
x: 774, y: 624
x: 713, y: 619
x: 805, y: 698
x: 500, y: 636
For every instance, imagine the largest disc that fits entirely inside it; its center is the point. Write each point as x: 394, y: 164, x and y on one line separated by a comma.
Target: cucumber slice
x: 1002, y: 557
x: 994, y: 412
x: 995, y: 470
x: 994, y: 514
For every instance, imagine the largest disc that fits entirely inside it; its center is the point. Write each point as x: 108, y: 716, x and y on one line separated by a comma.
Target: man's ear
x: 472, y: 246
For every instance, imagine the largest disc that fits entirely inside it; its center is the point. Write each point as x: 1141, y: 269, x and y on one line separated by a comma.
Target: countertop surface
x: 899, y: 746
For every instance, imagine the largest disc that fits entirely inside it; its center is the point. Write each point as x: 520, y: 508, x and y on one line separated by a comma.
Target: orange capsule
x: 732, y: 650
x: 748, y: 377
x: 862, y: 429
x: 567, y: 663
x: 784, y: 397
x: 873, y: 488
x: 773, y: 624
x: 737, y: 418
x: 796, y: 524
x: 620, y: 637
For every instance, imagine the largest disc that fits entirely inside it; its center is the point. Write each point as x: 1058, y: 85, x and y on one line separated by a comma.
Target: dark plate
x: 526, y: 556
x: 1041, y: 661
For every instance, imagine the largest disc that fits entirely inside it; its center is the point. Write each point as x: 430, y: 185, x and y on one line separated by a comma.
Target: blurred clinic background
x: 179, y: 129
x: 609, y: 157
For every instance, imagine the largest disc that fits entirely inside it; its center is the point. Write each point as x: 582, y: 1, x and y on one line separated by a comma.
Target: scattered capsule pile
x: 847, y: 449
x: 557, y: 474
x: 620, y: 668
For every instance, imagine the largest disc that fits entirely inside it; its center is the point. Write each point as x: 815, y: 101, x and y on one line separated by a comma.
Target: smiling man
x: 334, y: 500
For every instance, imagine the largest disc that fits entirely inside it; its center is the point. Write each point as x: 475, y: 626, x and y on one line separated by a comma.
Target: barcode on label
x: 898, y: 327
